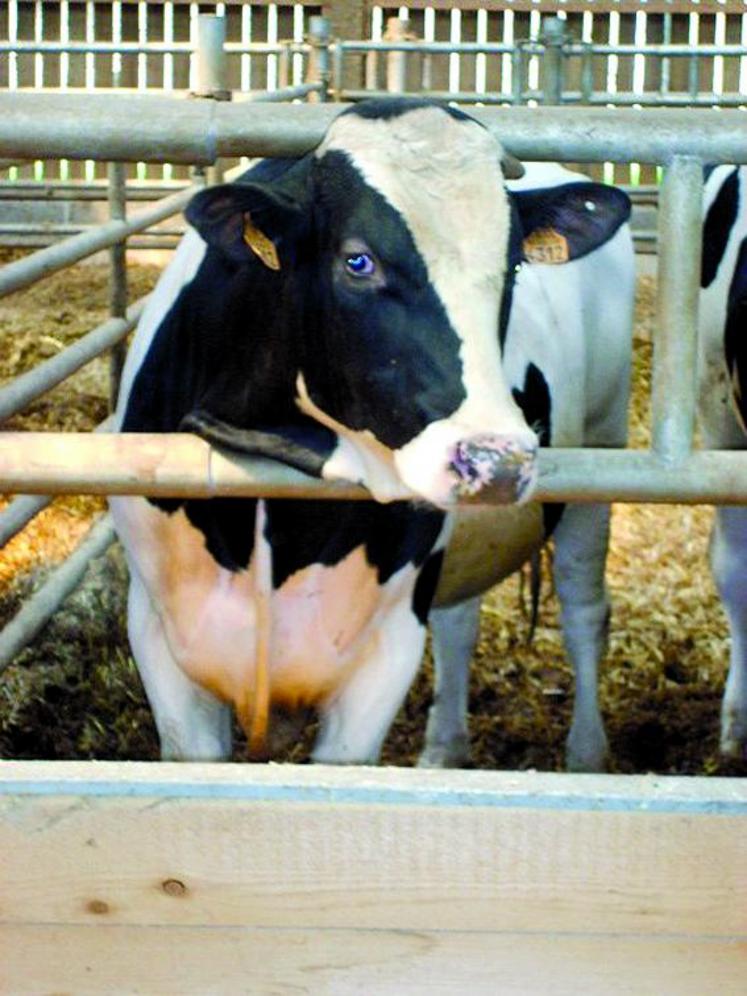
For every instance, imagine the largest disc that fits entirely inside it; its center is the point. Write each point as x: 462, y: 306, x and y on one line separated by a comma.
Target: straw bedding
x: 75, y: 692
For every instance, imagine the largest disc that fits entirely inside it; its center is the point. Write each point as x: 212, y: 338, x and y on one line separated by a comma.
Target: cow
x: 722, y: 415
x: 573, y: 385
x: 344, y: 313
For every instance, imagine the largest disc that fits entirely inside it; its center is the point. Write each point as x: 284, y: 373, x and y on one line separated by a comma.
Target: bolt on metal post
x: 553, y: 38
x: 319, y: 59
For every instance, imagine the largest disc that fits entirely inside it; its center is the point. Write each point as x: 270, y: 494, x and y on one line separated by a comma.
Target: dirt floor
x: 75, y: 692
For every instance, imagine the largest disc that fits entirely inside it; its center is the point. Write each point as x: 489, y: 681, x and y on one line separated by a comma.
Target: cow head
x: 395, y: 242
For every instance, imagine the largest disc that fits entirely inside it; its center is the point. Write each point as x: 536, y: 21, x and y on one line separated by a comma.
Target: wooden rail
x: 254, y: 878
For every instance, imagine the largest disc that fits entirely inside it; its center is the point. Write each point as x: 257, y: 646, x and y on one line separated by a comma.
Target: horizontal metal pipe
x: 27, y: 47
x: 21, y: 391
x: 657, y: 51
x: 24, y: 272
x: 179, y: 465
x: 157, y: 129
x: 434, y: 47
x: 52, y: 190
x: 19, y: 512
x: 58, y: 231
x: 42, y: 605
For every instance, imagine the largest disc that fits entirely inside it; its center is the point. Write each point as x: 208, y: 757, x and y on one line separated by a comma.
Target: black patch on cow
x: 324, y: 532
x: 719, y: 221
x: 735, y: 333
x: 386, y: 358
x: 536, y: 405
x: 386, y: 108
x: 425, y: 586
x: 565, y: 209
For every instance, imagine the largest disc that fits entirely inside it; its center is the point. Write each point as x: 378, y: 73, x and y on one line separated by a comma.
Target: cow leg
x: 454, y: 632
x: 728, y: 546
x: 581, y: 540
x: 192, y: 724
x: 356, y: 720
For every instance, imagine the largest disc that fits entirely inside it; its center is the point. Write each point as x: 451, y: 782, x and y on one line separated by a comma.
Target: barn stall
x: 392, y: 880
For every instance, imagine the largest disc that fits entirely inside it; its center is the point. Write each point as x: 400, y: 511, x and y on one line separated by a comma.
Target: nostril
x: 501, y: 463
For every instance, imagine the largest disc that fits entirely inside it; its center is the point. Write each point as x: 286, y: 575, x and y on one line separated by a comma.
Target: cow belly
x: 487, y: 544
x: 322, y: 617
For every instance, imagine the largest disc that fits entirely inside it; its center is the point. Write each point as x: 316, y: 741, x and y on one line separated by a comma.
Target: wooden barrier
x: 255, y: 878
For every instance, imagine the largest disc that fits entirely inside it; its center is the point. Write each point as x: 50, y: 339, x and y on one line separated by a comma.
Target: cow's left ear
x: 248, y: 220
x: 563, y: 223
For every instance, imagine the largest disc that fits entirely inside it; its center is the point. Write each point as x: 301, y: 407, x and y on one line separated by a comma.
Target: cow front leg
x: 356, y: 719
x: 454, y: 632
x: 192, y: 724
x: 581, y: 541
x: 729, y: 565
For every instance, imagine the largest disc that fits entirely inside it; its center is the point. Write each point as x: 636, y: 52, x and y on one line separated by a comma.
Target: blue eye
x: 360, y: 265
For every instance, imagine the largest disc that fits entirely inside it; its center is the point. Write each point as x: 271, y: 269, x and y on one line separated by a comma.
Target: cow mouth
x: 491, y: 470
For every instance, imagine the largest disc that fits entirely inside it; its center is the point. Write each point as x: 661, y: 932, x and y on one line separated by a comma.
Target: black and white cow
x: 567, y: 358
x: 723, y: 414
x: 344, y: 312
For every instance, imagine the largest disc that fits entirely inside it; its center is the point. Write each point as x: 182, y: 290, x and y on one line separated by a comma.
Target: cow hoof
x: 452, y: 755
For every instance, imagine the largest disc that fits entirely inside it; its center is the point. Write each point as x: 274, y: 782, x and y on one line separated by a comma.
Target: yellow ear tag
x: 260, y: 245
x: 545, y: 245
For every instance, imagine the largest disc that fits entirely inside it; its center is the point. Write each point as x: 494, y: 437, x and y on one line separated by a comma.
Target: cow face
x: 395, y: 236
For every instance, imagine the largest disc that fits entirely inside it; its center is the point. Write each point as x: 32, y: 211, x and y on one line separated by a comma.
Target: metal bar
x: 19, y: 513
x: 24, y: 272
x: 598, y: 99
x: 42, y: 605
x: 429, y: 47
x: 211, y: 57
x: 675, y: 345
x: 553, y: 36
x: 118, y: 264
x: 319, y: 59
x: 97, y: 190
x: 103, y: 127
x: 180, y: 465
x: 42, y: 378
x: 56, y: 232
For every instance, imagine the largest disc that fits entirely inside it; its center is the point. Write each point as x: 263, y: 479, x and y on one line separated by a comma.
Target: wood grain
x: 194, y: 962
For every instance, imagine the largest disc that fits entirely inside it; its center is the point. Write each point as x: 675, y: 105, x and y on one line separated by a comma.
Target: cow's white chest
x: 322, y: 619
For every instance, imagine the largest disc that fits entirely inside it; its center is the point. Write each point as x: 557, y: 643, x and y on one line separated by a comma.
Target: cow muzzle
x: 490, y: 469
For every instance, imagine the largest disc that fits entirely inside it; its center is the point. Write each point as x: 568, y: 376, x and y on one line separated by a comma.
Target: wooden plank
x: 86, y: 960
x: 308, y: 848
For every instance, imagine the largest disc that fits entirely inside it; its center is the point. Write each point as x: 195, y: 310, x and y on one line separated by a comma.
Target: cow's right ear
x: 248, y: 220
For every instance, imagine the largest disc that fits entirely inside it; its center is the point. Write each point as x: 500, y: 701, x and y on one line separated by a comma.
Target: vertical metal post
x: 587, y: 74
x: 517, y: 74
x: 553, y: 39
x: 676, y: 342
x: 118, y: 278
x: 211, y: 70
x: 319, y: 61
x: 211, y: 58
x: 396, y: 62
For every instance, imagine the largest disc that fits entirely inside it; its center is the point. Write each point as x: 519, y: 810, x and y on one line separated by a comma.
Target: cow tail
x: 257, y: 711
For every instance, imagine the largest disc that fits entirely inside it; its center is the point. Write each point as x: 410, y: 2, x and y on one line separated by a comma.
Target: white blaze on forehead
x: 443, y: 175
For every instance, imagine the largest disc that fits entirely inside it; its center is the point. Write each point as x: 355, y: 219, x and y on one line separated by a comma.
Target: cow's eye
x: 360, y: 264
